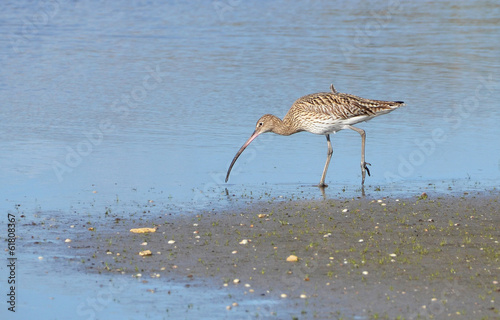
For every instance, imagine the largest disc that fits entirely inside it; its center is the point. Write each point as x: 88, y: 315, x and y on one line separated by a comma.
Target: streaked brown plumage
x: 323, y: 113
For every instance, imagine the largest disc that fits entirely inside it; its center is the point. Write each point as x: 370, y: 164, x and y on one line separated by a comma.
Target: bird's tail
x: 383, y: 107
x: 391, y: 105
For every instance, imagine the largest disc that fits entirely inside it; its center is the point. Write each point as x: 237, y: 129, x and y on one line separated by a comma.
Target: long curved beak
x: 252, y: 137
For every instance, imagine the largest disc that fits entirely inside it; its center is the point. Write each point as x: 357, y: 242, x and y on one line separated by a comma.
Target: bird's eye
x: 261, y: 124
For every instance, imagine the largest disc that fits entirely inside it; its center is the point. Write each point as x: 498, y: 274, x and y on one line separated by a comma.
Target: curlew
x: 324, y: 113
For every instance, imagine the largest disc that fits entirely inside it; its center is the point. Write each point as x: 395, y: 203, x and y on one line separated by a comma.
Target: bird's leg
x: 328, y: 157
x: 364, y: 164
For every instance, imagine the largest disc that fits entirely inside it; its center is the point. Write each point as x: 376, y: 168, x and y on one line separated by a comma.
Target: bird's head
x: 266, y: 123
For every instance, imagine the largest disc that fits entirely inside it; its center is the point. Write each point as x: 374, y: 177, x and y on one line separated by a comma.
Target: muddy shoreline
x: 433, y: 257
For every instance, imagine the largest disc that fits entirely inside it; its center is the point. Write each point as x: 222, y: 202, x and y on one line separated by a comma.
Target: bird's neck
x: 284, y: 127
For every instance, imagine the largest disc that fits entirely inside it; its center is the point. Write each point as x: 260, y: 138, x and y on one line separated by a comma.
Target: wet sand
x: 429, y: 257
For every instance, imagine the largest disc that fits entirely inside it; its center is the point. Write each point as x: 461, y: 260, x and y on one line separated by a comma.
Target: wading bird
x: 324, y: 113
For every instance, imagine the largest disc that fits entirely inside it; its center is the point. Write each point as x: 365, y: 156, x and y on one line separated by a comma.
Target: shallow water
x: 127, y: 103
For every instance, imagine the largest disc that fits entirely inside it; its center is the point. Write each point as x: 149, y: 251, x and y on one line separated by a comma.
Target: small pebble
x: 67, y: 240
x: 235, y: 304
x: 244, y: 241
x: 361, y: 240
x: 72, y: 226
x: 292, y: 258
x: 365, y: 272
x: 143, y: 230
x: 145, y: 253
x: 247, y: 285
x: 228, y: 307
x: 234, y: 252
x: 345, y: 210
x: 235, y: 281
x: 144, y: 244
x: 171, y: 241
x: 283, y: 295
x: 40, y: 258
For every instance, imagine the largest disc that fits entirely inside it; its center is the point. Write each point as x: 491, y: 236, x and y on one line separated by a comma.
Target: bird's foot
x: 364, y: 167
x: 322, y: 185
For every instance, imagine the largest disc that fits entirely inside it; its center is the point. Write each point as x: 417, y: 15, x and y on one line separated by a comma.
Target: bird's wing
x: 338, y: 105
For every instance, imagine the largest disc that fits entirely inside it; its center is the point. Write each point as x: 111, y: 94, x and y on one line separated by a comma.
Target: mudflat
x: 426, y: 256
